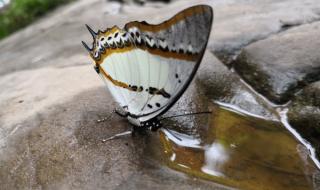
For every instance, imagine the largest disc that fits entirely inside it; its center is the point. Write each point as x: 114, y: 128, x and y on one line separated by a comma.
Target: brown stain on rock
x: 258, y: 151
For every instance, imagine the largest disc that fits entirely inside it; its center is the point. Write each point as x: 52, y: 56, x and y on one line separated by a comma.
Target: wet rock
x: 304, y: 114
x: 236, y: 23
x: 53, y: 140
x: 239, y: 23
x: 247, y: 151
x: 51, y: 99
x: 221, y: 84
x: 281, y: 65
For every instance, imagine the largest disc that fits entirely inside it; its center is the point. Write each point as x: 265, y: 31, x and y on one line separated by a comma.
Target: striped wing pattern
x: 148, y: 67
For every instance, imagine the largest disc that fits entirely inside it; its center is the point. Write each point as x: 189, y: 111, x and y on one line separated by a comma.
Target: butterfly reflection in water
x: 148, y: 67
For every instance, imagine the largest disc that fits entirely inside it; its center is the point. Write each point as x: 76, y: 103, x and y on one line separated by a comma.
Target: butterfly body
x: 148, y: 67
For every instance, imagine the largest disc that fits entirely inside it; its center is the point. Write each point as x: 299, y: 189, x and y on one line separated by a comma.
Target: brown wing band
x: 151, y: 90
x: 154, y: 51
x: 165, y: 25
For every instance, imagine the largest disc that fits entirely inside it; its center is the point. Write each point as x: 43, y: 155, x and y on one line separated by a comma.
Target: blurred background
x: 17, y: 14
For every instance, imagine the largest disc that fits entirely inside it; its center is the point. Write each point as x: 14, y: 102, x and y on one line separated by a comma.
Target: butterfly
x: 148, y: 67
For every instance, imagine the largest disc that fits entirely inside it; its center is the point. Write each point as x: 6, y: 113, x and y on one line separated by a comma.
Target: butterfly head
x: 103, y: 40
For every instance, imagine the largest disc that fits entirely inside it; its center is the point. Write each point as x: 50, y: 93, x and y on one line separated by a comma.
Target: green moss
x: 20, y: 13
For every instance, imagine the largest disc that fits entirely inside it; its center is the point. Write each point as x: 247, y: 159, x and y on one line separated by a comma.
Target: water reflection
x: 241, y: 151
x: 215, y: 156
x: 182, y: 139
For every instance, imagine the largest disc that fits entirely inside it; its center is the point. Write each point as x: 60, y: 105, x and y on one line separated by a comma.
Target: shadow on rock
x: 62, y: 149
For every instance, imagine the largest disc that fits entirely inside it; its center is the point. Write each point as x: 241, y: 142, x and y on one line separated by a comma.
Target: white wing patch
x: 140, y: 69
x: 148, y: 67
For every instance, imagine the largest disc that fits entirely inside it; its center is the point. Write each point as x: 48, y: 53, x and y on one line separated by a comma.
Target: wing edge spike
x: 92, y: 32
x: 86, y: 46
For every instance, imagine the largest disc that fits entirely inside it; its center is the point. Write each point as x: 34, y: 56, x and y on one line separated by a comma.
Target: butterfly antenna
x: 186, y: 114
x: 117, y: 136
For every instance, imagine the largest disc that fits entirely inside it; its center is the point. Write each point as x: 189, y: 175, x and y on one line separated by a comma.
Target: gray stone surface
x: 50, y: 138
x: 51, y: 97
x: 239, y: 23
x: 60, y: 148
x: 242, y: 22
x: 304, y: 114
x: 236, y: 24
x: 281, y: 65
x: 221, y: 84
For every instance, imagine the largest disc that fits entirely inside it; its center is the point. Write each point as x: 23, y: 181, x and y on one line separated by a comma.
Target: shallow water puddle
x: 243, y: 152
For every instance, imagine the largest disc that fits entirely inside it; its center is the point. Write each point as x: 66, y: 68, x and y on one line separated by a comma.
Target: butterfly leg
x: 152, y: 125
x: 106, y: 118
x: 126, y: 133
x: 120, y: 112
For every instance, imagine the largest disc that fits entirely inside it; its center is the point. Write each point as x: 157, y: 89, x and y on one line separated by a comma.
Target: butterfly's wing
x: 148, y: 67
